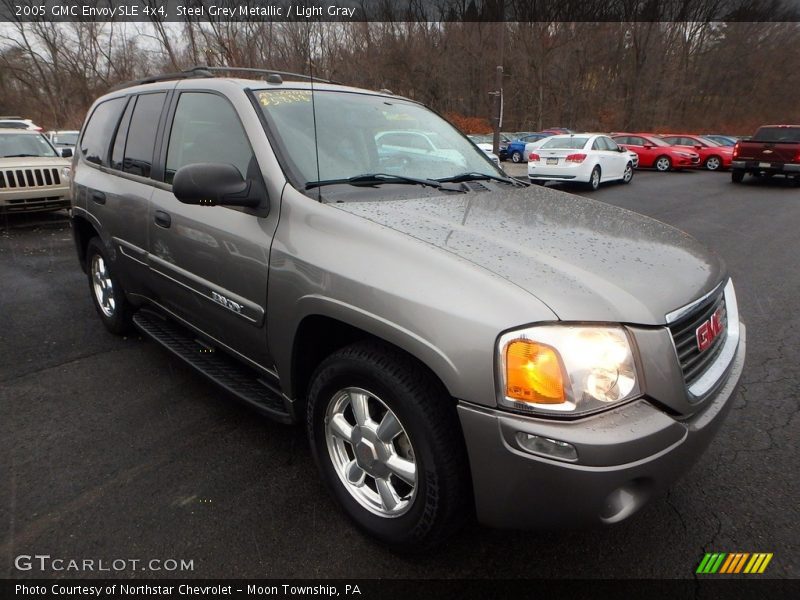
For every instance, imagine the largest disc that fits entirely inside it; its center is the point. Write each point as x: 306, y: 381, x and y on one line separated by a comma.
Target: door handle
x: 99, y: 197
x: 162, y: 219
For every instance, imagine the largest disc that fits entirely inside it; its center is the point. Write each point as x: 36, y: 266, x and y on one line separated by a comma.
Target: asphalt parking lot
x: 114, y: 449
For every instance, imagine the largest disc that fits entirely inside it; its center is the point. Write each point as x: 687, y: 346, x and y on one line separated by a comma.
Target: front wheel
x: 663, y: 163
x: 737, y: 175
x: 386, y: 438
x: 713, y: 163
x: 516, y: 156
x: 627, y: 175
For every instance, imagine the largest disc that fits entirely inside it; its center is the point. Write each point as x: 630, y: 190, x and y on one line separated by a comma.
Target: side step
x: 238, y: 379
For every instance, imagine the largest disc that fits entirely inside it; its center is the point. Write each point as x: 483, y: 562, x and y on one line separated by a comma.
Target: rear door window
x: 96, y: 138
x: 141, y: 137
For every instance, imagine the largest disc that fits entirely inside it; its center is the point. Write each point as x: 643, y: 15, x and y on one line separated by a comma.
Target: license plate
x: 767, y: 165
x: 552, y: 161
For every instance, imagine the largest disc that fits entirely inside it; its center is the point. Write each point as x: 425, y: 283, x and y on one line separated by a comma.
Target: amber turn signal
x: 534, y: 373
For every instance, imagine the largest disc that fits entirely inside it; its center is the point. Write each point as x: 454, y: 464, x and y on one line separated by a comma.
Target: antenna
x: 314, y: 116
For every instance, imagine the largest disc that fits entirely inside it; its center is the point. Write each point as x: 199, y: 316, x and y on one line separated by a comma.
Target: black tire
x: 516, y: 156
x: 594, y: 178
x: 443, y: 496
x: 737, y: 175
x: 119, y: 320
x: 627, y: 175
x: 713, y: 163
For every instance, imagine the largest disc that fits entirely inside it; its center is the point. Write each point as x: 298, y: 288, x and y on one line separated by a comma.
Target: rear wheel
x: 594, y: 178
x: 663, y: 163
x: 107, y: 294
x: 387, y: 441
x: 627, y: 175
x: 713, y: 163
x: 737, y: 176
x: 516, y: 156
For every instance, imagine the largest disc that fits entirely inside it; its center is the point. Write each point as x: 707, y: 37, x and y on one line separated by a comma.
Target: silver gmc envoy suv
x: 453, y: 340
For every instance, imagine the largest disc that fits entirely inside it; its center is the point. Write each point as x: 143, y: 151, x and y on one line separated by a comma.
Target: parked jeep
x: 452, y: 339
x: 33, y: 176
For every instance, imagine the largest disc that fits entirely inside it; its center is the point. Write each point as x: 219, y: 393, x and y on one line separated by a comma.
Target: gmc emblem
x: 708, y: 331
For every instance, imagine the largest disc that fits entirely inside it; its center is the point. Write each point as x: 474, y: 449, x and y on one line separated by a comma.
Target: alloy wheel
x: 662, y: 164
x: 371, y: 452
x: 103, y: 286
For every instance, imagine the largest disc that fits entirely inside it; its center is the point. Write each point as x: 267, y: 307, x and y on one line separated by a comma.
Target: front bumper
x: 31, y: 201
x: 625, y: 456
x: 686, y: 161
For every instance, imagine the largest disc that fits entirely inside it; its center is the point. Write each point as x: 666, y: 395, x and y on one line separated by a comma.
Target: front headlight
x: 566, y: 368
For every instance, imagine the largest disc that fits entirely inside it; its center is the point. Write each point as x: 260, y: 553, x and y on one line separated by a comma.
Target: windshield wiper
x: 476, y: 176
x: 379, y: 178
x: 21, y: 155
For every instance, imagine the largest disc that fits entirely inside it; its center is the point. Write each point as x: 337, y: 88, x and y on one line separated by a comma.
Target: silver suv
x: 452, y: 339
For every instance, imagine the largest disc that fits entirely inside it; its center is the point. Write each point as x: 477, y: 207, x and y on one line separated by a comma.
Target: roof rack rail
x: 193, y: 72
x: 273, y: 76
x: 263, y: 71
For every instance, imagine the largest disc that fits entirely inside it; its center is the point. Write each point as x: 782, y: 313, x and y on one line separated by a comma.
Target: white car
x: 7, y: 122
x: 64, y: 141
x: 580, y: 157
x: 634, y: 159
x: 487, y: 150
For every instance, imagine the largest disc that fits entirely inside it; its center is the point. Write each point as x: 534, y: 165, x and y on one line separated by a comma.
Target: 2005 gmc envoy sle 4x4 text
x: 453, y: 339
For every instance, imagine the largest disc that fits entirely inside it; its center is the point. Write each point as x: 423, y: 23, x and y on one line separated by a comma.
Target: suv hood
x: 33, y: 161
x: 586, y: 260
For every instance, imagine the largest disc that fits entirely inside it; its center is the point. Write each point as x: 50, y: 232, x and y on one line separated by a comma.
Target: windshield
x: 709, y: 141
x: 25, y: 144
x: 361, y: 134
x: 566, y: 143
x: 656, y: 141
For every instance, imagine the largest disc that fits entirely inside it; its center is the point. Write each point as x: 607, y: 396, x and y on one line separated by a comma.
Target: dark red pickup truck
x: 773, y: 150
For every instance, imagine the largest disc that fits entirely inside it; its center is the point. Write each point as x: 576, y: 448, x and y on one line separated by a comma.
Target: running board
x: 239, y: 380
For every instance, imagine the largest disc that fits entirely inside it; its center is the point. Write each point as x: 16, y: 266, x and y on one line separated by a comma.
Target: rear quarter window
x: 96, y: 139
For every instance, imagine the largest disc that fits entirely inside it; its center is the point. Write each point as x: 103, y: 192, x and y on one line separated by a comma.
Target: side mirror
x: 621, y: 149
x: 698, y: 146
x: 215, y: 184
x: 66, y: 153
x: 648, y: 145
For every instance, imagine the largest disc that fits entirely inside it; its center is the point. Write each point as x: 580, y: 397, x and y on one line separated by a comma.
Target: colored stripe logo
x: 729, y: 563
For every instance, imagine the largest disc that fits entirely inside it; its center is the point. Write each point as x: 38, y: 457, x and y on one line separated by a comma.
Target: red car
x: 713, y: 156
x: 656, y: 153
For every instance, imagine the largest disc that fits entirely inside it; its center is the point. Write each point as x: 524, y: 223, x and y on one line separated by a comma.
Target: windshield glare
x: 361, y: 134
x: 25, y: 144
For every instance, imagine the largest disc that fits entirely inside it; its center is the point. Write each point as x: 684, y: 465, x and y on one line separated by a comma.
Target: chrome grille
x: 684, y: 334
x: 29, y: 178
